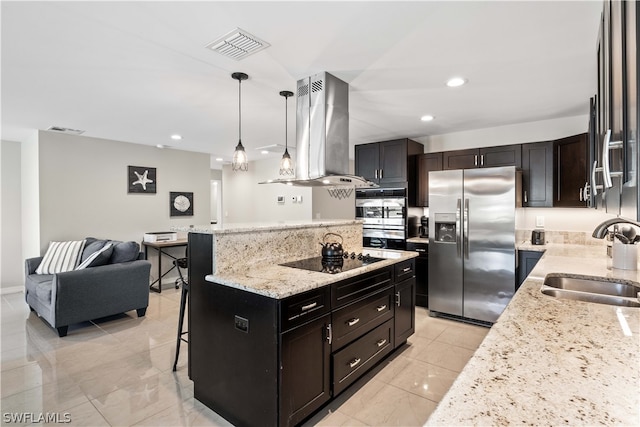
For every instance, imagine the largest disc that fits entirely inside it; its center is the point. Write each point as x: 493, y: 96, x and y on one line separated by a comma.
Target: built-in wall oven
x: 384, y: 213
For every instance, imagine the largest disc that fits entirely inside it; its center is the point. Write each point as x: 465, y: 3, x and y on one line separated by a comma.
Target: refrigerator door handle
x: 465, y: 231
x: 458, y: 242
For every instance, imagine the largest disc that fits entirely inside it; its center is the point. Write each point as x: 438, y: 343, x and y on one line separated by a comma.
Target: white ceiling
x: 139, y: 72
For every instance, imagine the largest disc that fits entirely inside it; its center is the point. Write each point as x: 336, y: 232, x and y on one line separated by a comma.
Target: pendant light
x: 286, y: 164
x: 240, y: 161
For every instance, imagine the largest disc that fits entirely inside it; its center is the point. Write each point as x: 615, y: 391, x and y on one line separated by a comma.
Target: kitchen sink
x: 592, y: 289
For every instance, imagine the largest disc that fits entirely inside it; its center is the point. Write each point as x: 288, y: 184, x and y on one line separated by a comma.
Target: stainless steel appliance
x: 384, y: 213
x: 537, y: 237
x: 472, y: 255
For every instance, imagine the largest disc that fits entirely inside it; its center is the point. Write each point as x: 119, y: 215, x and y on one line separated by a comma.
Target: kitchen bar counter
x: 259, y: 227
x: 550, y: 361
x: 279, y: 282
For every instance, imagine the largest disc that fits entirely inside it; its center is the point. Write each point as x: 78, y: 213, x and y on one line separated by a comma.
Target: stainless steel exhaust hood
x: 322, y: 134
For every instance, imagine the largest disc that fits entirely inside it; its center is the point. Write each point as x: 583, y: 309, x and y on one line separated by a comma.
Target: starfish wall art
x: 142, y: 179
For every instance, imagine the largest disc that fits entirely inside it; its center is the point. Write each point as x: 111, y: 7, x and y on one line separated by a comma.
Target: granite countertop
x: 277, y: 281
x: 253, y: 227
x: 417, y: 239
x: 550, y: 361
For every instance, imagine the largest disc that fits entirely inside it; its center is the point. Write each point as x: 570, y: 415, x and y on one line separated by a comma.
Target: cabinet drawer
x: 349, y: 290
x: 303, y: 307
x: 357, y: 318
x: 405, y: 270
x: 355, y: 359
x: 421, y: 248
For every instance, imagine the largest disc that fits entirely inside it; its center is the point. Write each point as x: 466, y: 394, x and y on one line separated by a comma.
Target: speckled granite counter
x: 424, y: 240
x: 550, y: 361
x: 279, y: 282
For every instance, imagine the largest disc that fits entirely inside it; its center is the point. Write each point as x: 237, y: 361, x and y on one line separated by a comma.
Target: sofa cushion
x: 124, y: 252
x: 91, y: 246
x: 40, y: 286
x: 99, y: 257
x: 61, y: 257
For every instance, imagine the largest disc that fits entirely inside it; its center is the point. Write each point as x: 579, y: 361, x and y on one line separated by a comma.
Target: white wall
x: 83, y: 188
x: 244, y: 200
x: 11, y: 264
x: 504, y: 135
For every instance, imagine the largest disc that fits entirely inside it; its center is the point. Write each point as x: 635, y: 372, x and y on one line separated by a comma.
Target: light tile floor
x: 117, y: 372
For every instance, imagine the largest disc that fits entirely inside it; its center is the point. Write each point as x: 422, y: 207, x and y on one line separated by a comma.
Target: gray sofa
x: 76, y: 296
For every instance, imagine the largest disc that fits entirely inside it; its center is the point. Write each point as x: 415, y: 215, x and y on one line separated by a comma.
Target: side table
x: 160, y: 247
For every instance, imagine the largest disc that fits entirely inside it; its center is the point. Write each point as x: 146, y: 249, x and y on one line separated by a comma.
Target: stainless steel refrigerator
x: 472, y: 254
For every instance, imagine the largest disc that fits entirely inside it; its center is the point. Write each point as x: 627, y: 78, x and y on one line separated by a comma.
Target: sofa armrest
x: 100, y: 291
x: 30, y: 265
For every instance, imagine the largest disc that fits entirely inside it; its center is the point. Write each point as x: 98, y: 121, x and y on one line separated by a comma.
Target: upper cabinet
x: 506, y: 155
x: 614, y: 162
x: 426, y: 163
x: 389, y: 164
x: 537, y: 174
x: 570, y: 178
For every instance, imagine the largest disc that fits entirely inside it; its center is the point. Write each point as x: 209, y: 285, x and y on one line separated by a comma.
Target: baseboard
x: 11, y: 290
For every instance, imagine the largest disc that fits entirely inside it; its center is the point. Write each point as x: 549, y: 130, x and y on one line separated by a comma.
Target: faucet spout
x: 601, y: 229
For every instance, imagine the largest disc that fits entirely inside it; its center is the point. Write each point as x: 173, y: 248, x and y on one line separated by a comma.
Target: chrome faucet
x: 600, y: 231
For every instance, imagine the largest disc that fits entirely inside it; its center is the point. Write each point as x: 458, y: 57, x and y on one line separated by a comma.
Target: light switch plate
x: 539, y: 221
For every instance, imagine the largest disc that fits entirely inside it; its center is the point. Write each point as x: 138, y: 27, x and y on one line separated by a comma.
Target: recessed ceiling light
x: 176, y: 137
x: 264, y: 152
x: 162, y: 146
x: 427, y: 118
x: 456, y: 81
x: 325, y: 181
x: 219, y: 159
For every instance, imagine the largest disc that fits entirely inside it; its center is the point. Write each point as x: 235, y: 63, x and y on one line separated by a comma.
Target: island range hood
x: 322, y: 135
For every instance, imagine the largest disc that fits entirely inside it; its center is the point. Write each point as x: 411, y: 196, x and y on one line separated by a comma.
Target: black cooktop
x: 333, y: 266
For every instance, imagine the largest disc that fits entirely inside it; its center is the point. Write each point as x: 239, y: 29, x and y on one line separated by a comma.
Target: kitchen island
x: 270, y: 344
x: 551, y: 361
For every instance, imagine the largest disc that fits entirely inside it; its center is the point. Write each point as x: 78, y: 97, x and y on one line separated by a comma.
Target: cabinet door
x: 304, y: 370
x: 393, y: 161
x: 460, y: 159
x: 570, y: 158
x: 425, y: 164
x: 367, y: 161
x: 526, y: 261
x: 405, y: 318
x: 537, y: 174
x: 422, y: 280
x: 506, y: 155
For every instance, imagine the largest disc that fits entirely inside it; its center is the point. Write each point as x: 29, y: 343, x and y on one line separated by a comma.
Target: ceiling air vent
x: 237, y: 44
x: 66, y: 130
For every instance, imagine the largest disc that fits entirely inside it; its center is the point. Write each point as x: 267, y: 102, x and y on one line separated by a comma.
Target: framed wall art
x: 141, y: 179
x: 180, y: 203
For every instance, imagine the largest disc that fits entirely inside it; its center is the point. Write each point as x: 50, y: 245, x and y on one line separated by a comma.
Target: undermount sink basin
x: 592, y: 289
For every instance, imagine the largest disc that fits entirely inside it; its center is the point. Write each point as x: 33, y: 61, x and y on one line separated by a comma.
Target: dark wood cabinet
x: 571, y: 170
x: 537, y: 174
x: 285, y: 358
x: 390, y: 164
x: 460, y: 159
x: 426, y: 163
x: 422, y: 272
x: 405, y: 317
x: 526, y: 261
x: 305, y: 370
x: 505, y: 155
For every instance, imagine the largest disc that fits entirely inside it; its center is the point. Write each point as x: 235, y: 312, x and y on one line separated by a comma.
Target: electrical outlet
x: 539, y: 221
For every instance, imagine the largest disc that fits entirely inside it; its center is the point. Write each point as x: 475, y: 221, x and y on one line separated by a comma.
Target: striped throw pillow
x: 61, y: 257
x: 99, y: 257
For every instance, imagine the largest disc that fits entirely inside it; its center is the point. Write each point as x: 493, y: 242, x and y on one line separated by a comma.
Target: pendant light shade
x: 286, y: 164
x: 240, y: 161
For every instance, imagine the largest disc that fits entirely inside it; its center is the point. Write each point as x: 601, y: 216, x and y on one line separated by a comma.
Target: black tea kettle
x: 331, y: 249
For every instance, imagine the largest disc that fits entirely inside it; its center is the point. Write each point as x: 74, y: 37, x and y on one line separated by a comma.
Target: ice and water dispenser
x: 445, y: 227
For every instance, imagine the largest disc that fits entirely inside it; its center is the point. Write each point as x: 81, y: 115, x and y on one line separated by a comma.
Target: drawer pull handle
x: 381, y: 307
x: 353, y: 321
x: 354, y: 362
x: 421, y: 250
x: 309, y: 306
x: 404, y: 270
x: 382, y: 342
